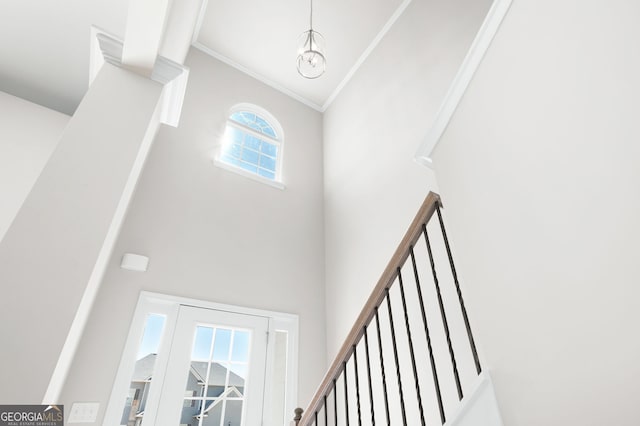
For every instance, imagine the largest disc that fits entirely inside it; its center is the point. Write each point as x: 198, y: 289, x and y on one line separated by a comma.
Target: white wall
x: 373, y: 188
x: 30, y: 133
x: 539, y: 171
x: 214, y: 235
x: 48, y: 256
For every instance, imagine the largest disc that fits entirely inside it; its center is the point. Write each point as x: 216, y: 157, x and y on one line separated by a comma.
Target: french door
x: 215, y: 374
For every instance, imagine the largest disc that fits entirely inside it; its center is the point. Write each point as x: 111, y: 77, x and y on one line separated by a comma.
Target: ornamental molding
x: 106, y: 48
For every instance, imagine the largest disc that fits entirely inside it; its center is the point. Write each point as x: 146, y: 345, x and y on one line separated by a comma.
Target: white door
x: 216, y: 370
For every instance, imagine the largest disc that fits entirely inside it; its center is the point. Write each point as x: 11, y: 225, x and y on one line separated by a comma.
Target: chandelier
x: 311, y: 53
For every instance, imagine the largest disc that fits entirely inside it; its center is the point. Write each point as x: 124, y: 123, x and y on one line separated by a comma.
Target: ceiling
x: 45, y: 45
x: 262, y: 36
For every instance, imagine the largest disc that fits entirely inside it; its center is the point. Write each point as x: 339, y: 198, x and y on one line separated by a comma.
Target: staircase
x: 410, y: 357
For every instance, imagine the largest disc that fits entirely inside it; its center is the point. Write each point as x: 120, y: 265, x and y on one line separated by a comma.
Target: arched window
x: 252, y: 143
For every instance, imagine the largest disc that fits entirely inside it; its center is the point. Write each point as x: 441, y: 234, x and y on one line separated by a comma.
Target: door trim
x: 150, y: 302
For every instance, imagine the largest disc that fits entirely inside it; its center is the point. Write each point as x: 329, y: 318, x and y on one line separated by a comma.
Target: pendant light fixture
x: 311, y: 53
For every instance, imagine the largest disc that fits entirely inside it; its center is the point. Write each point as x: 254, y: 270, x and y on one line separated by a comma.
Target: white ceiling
x: 261, y: 36
x: 44, y: 45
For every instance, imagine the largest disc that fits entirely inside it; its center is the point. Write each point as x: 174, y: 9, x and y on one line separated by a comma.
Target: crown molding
x: 201, y: 47
x: 334, y: 94
x: 372, y: 46
x: 463, y: 78
x: 199, y: 21
x: 106, y: 48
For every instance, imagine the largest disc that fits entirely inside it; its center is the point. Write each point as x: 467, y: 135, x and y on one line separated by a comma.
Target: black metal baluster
x: 384, y: 377
x: 335, y: 403
x: 366, y: 351
x: 355, y: 369
x: 346, y: 393
x: 395, y: 356
x: 326, y: 408
x: 316, y: 417
x: 442, y: 313
x: 434, y: 371
x: 411, y: 351
x: 455, y: 280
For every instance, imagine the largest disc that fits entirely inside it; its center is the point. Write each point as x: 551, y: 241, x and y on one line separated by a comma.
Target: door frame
x: 168, y: 305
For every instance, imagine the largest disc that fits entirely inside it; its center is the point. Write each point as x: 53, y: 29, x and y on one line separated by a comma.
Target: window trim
x: 221, y: 164
x: 276, y: 182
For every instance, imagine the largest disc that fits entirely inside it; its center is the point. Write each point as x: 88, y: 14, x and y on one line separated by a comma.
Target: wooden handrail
x: 368, y: 311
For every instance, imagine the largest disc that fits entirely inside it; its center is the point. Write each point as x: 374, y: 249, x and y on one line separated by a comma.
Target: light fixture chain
x: 311, y: 16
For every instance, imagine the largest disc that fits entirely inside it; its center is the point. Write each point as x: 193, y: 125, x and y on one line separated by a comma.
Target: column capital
x: 107, y: 48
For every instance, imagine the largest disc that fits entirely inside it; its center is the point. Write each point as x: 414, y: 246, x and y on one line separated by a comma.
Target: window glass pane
x: 202, y: 343
x: 239, y: 370
x: 246, y: 118
x: 190, y: 411
x: 265, y: 127
x: 248, y: 167
x: 197, y: 374
x: 267, y: 163
x: 233, y: 413
x: 269, y: 132
x: 136, y: 399
x: 222, y: 344
x: 269, y: 149
x: 152, y: 335
x: 232, y: 150
x: 235, y: 381
x: 235, y: 134
x: 217, y: 379
x: 252, y: 142
x: 250, y: 156
x: 190, y: 414
x: 240, y: 346
x: 249, y: 117
x: 213, y: 413
x: 261, y: 122
x: 254, y: 122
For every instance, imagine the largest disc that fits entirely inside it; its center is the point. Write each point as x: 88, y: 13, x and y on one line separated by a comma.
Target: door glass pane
x: 240, y: 346
x: 213, y: 413
x: 237, y: 375
x: 222, y: 344
x: 202, y: 343
x: 219, y: 366
x: 143, y: 371
x: 233, y: 413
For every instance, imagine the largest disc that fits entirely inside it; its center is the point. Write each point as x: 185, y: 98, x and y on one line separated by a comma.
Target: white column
x: 146, y: 21
x: 181, y: 27
x: 53, y: 256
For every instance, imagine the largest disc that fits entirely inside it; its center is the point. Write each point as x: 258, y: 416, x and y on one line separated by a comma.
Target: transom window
x: 252, y: 143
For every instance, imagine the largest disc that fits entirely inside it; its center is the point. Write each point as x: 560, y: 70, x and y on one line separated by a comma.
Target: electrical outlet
x: 83, y: 412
